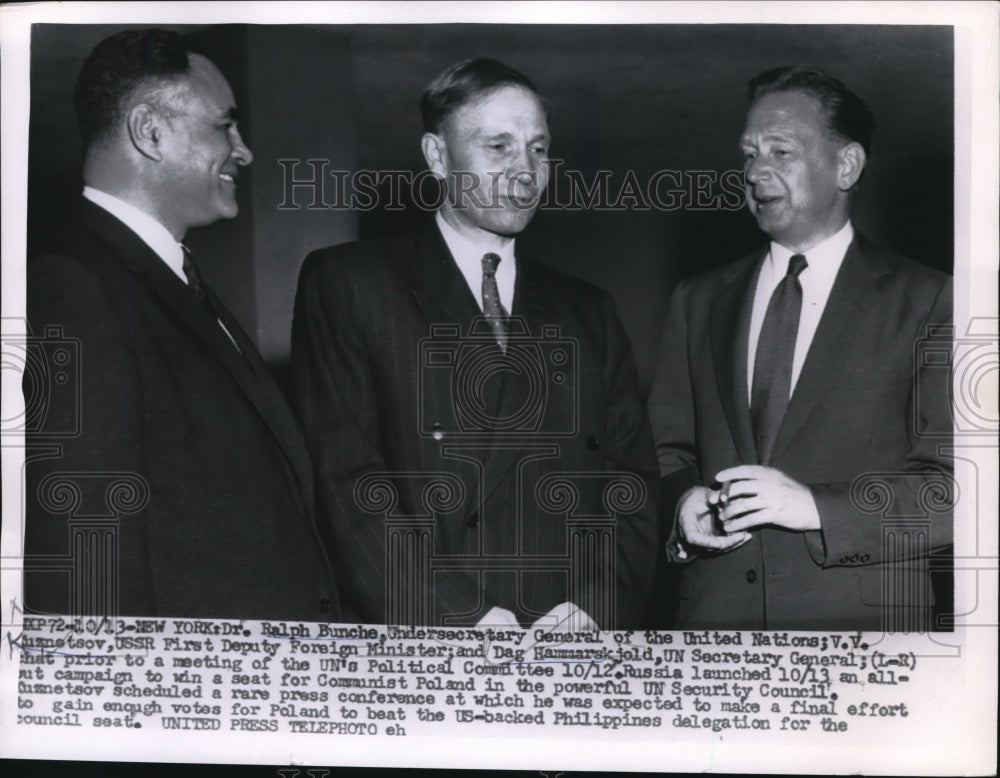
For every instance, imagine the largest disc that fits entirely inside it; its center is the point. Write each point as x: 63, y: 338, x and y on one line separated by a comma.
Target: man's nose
x: 524, y: 168
x: 755, y: 170
x: 241, y: 152
x: 526, y: 176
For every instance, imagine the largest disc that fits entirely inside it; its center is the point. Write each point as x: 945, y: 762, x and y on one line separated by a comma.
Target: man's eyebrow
x: 749, y: 139
x: 233, y: 114
x: 510, y: 135
x: 780, y: 135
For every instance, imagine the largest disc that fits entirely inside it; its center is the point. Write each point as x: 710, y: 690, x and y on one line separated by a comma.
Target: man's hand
x: 762, y: 495
x: 566, y: 617
x: 498, y: 617
x: 697, y: 527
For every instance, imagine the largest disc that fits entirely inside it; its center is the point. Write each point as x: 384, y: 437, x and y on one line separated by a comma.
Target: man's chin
x: 513, y: 222
x: 506, y: 222
x: 770, y: 224
x: 227, y: 211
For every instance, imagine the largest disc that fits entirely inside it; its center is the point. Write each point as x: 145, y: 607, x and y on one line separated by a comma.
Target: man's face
x: 796, y: 184
x: 495, y: 160
x: 202, y: 150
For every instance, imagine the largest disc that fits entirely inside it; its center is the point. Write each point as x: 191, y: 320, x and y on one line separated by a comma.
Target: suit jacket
x: 455, y: 478
x: 177, y: 464
x: 865, y: 430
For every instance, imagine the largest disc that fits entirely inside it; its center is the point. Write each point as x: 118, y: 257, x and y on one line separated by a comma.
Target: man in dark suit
x: 801, y: 485
x: 476, y: 466
x: 180, y: 484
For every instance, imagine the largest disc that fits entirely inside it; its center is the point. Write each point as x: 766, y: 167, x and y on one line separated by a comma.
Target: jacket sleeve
x: 671, y: 407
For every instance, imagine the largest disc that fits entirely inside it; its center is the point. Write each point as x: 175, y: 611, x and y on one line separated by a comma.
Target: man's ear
x: 435, y: 151
x: 145, y: 130
x: 851, y: 160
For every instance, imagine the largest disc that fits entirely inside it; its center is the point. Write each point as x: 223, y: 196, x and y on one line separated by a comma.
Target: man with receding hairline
x: 174, y: 400
x: 787, y: 378
x: 490, y: 400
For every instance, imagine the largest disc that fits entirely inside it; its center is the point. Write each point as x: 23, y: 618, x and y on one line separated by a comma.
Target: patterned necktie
x: 772, y: 369
x: 492, y: 308
x: 197, y: 285
x: 195, y: 281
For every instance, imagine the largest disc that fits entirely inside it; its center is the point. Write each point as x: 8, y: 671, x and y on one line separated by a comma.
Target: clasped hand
x: 750, y: 496
x: 564, y: 617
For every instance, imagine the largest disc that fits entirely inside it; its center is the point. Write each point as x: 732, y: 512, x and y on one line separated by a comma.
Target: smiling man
x: 788, y: 389
x: 482, y: 453
x: 192, y: 484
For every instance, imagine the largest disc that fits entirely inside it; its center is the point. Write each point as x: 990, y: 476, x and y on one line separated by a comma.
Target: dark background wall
x: 630, y: 100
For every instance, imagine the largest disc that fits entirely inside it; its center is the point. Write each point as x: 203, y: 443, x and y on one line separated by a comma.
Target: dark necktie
x: 195, y: 282
x: 197, y: 285
x: 492, y: 308
x: 772, y: 369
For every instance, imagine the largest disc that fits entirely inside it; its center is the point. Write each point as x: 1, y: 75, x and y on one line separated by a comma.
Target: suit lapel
x: 444, y: 296
x: 532, y: 301
x: 851, y: 305
x: 532, y: 310
x: 731, y: 312
x: 246, y: 369
x: 253, y: 375
x: 439, y: 287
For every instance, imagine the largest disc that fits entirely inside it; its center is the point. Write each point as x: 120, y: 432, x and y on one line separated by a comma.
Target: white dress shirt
x: 469, y: 258
x: 153, y: 234
x: 817, y: 279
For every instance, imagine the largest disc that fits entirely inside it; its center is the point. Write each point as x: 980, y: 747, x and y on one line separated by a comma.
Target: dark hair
x: 116, y: 67
x: 461, y: 83
x: 847, y: 114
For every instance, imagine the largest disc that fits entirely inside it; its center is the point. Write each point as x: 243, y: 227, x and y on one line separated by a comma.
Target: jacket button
x: 593, y: 443
x: 751, y: 576
x: 472, y: 521
x: 325, y: 605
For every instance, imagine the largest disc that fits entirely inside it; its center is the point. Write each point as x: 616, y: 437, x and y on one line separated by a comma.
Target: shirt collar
x: 824, y: 259
x: 152, y: 233
x: 466, y: 251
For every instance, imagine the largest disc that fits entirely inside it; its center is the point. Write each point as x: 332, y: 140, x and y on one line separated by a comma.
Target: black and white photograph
x: 519, y: 386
